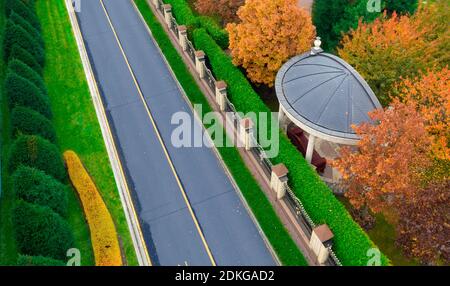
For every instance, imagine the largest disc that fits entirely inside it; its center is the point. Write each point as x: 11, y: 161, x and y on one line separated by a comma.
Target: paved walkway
x: 187, y: 206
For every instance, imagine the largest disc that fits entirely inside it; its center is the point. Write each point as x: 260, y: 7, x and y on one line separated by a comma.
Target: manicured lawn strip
x: 279, y: 238
x: 351, y: 243
x: 76, y: 124
x: 8, y: 250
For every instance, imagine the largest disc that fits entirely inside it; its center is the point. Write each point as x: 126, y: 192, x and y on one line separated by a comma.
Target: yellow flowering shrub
x: 103, y: 232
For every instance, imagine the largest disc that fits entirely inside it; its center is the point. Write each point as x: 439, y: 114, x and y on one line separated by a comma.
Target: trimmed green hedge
x: 15, y: 34
x: 36, y: 152
x: 279, y: 238
x: 27, y: 72
x: 25, y: 260
x: 24, y: 56
x: 41, y: 232
x: 26, y: 11
x: 183, y: 13
x: 25, y: 121
x: 22, y: 92
x: 219, y: 35
x: 351, y: 243
x: 19, y: 20
x: 35, y: 186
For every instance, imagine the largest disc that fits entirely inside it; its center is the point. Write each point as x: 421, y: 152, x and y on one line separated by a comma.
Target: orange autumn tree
x: 270, y: 32
x: 225, y: 9
x: 430, y: 93
x: 398, y: 46
x: 391, y: 156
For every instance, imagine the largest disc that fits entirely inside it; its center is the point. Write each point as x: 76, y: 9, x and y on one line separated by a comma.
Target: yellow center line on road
x: 166, y: 153
x: 141, y: 236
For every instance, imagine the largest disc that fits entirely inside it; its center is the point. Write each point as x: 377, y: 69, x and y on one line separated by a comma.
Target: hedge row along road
x: 189, y: 211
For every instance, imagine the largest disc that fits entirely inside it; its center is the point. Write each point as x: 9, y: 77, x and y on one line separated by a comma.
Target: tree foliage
x: 394, y: 47
x: 41, y: 232
x: 25, y: 260
x: 391, y: 155
x: 226, y: 10
x: 24, y: 8
x: 36, y: 152
x: 23, y: 70
x: 19, y: 53
x: 270, y: 32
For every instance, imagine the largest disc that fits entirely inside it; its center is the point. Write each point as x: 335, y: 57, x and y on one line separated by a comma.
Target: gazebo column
x: 310, y: 148
x: 282, y: 119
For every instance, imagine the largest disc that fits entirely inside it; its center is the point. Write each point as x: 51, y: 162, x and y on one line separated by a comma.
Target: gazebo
x: 324, y: 96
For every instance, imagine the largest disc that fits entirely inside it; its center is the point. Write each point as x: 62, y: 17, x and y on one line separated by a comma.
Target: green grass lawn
x: 76, y: 123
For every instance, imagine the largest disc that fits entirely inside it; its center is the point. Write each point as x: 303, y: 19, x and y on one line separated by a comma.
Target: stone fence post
x: 199, y: 63
x: 182, y: 37
x: 168, y: 14
x: 156, y: 4
x: 221, y: 94
x: 321, y: 239
x: 279, y: 179
x: 246, y: 132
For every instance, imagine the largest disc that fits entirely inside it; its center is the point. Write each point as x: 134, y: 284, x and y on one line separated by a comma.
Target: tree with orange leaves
x: 225, y: 9
x: 270, y: 32
x: 392, y: 154
x: 430, y: 93
x: 398, y: 46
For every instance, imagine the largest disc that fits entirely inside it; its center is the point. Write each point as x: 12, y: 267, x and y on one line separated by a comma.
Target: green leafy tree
x: 19, y: 53
x: 22, y: 92
x: 25, y: 121
x: 27, y: 72
x: 35, y: 186
x: 35, y: 33
x: 39, y: 231
x: 25, y: 8
x: 36, y: 152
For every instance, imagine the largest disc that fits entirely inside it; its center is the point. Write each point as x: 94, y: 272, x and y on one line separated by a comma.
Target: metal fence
x: 294, y: 203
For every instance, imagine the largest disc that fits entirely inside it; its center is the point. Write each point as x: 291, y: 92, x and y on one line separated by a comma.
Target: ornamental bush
x: 351, y: 243
x: 219, y: 35
x: 25, y: 8
x: 22, y: 92
x: 19, y: 20
x: 15, y: 34
x: 27, y: 72
x: 35, y: 186
x: 25, y: 121
x: 183, y: 13
x: 36, y: 152
x: 19, y: 53
x: 25, y: 260
x: 39, y: 231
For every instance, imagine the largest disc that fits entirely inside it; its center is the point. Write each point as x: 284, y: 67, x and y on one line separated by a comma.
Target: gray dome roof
x: 325, y: 93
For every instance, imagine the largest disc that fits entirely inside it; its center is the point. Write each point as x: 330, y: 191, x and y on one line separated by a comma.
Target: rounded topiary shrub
x: 35, y: 186
x: 19, y: 20
x: 22, y: 69
x: 25, y: 260
x: 19, y: 53
x: 25, y: 8
x: 15, y: 34
x: 39, y: 231
x: 36, y: 152
x: 25, y: 121
x: 22, y: 92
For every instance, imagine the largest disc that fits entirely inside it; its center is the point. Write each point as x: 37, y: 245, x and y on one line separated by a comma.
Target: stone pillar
x: 282, y: 119
x: 279, y: 179
x: 182, y: 36
x: 168, y: 14
x: 246, y: 133
x: 310, y: 148
x: 321, y: 239
x: 221, y: 94
x: 199, y: 63
x: 156, y: 4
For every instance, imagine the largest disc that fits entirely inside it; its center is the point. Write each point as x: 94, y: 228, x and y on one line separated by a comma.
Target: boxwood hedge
x: 39, y: 231
x: 25, y: 8
x: 24, y: 56
x: 351, y: 243
x: 25, y: 121
x: 27, y: 72
x: 25, y: 260
x: 216, y: 32
x: 19, y: 20
x: 35, y: 186
x: 15, y: 34
x: 22, y: 92
x: 36, y: 152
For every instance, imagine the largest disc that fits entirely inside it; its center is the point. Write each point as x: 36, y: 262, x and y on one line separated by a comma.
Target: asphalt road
x: 184, y: 200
